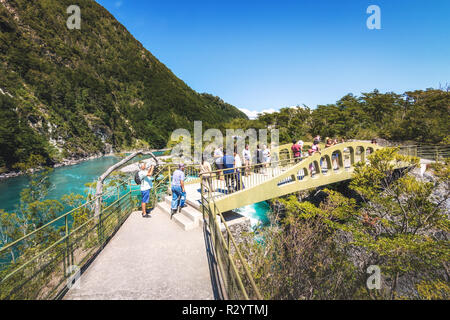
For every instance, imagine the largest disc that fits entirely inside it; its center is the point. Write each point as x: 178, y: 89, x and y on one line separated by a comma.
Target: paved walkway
x: 150, y: 258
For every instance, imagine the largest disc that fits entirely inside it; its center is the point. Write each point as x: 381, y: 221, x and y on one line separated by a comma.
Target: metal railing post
x: 99, y: 224
x: 119, y: 210
x: 66, y: 254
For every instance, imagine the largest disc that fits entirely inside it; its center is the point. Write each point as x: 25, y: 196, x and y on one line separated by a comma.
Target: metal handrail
x: 9, y: 245
x: 61, y: 258
x: 431, y: 152
x: 58, y: 242
x: 213, y: 212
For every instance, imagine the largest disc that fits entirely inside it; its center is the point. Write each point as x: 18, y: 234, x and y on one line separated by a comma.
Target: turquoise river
x: 72, y: 179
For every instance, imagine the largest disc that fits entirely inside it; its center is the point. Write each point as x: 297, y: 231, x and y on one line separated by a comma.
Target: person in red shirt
x: 296, y: 150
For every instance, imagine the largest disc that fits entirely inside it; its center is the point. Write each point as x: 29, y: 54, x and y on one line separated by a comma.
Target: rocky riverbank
x: 73, y: 161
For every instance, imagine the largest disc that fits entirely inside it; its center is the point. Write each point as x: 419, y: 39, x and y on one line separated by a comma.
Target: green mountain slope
x: 77, y: 92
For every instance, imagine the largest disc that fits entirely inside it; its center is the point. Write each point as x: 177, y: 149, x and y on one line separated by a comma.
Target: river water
x: 72, y: 179
x: 64, y: 180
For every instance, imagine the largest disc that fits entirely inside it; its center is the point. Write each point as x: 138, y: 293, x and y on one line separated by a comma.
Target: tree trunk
x: 394, y: 286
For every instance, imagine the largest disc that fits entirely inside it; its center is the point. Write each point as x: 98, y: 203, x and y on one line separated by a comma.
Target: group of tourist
x: 261, y: 156
x: 232, y: 167
x: 297, y: 150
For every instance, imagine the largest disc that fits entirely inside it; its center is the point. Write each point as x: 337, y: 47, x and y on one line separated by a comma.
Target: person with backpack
x: 142, y: 178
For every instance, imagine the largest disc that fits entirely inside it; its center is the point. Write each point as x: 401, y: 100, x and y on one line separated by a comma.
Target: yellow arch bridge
x: 231, y: 189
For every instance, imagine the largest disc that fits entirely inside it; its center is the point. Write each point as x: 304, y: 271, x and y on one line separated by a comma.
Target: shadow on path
x: 212, y: 263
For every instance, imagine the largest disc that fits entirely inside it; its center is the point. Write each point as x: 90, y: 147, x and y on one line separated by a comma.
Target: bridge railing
x: 429, y: 152
x: 235, y: 275
x: 41, y: 264
x: 224, y: 182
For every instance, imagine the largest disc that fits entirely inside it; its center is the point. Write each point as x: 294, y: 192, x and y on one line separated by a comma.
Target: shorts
x: 219, y: 166
x: 145, y: 196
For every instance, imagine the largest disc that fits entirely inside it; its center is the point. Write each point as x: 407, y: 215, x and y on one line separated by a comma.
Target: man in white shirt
x: 146, y: 185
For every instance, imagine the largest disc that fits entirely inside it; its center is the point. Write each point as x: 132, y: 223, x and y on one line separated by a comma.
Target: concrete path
x: 150, y: 258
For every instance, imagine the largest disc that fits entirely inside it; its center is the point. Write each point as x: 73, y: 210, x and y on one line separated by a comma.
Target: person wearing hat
x: 178, y: 191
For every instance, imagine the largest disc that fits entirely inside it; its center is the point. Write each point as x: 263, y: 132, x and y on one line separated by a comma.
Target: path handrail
x: 430, y: 152
x: 224, y: 254
x: 63, y: 216
x: 47, y: 255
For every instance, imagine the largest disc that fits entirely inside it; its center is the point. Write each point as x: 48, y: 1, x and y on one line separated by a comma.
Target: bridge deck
x: 193, y: 194
x: 149, y: 258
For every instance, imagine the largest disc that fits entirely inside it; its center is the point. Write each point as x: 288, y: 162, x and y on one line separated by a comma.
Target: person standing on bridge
x: 205, y: 173
x: 315, y: 147
x: 317, y: 139
x: 228, y: 163
x: 266, y: 158
x: 146, y: 185
x: 259, y: 159
x: 247, y: 156
x: 178, y: 191
x: 296, y: 151
x: 239, y: 171
x: 218, y: 160
x: 301, y: 144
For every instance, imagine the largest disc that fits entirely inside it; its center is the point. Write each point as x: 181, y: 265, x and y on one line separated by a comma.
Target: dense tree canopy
x: 421, y: 116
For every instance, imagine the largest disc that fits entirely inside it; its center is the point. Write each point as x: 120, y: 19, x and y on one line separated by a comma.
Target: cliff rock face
x: 71, y: 93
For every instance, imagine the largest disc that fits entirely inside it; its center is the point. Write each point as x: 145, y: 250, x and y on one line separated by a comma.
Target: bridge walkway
x: 149, y: 258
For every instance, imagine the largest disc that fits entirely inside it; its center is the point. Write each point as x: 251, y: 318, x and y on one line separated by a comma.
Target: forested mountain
x: 77, y: 92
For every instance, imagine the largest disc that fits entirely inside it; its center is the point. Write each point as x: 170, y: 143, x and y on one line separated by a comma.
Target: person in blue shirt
x: 178, y: 191
x: 228, y: 165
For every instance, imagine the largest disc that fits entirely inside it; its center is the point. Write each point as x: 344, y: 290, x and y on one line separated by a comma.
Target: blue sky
x: 263, y: 55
